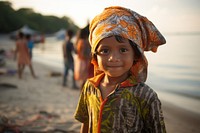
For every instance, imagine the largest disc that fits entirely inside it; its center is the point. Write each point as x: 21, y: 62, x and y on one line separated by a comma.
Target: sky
x: 168, y: 15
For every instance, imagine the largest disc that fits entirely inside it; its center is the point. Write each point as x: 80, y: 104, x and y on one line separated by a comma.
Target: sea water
x: 175, y: 67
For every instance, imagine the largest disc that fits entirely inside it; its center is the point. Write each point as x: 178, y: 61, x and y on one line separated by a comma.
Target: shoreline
x: 191, y: 103
x: 187, y: 103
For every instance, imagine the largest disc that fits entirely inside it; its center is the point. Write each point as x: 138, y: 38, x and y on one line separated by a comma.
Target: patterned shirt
x: 131, y: 108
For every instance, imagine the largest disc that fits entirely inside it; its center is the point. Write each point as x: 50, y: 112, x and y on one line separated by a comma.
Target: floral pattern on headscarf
x: 124, y: 22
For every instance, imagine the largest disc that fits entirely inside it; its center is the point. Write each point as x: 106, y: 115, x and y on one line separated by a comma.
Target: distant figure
x: 83, y: 65
x: 30, y: 44
x: 22, y: 54
x: 68, y: 49
x: 42, y: 41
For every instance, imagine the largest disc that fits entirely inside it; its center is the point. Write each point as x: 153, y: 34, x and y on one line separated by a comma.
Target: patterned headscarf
x: 124, y: 22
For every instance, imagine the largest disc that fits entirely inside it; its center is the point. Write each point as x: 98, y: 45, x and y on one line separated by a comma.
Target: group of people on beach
x: 23, y: 53
x: 80, y: 64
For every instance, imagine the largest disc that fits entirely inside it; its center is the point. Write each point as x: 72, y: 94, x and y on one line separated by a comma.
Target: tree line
x: 11, y: 20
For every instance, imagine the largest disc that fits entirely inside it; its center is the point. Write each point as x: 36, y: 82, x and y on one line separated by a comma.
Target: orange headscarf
x: 124, y: 22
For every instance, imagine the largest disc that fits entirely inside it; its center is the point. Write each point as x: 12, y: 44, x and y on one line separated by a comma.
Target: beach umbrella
x: 25, y: 29
x: 60, y: 35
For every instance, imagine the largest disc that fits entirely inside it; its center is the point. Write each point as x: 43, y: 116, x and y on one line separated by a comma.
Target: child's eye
x: 104, y: 51
x: 123, y: 50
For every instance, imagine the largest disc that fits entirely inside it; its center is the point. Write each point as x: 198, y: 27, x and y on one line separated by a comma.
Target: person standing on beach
x: 68, y: 49
x: 117, y: 99
x: 83, y: 65
x: 42, y: 41
x: 22, y: 54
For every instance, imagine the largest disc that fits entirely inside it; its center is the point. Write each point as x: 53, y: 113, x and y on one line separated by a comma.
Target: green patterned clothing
x: 131, y: 108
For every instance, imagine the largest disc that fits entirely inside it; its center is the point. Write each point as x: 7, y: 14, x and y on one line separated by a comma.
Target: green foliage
x: 11, y: 20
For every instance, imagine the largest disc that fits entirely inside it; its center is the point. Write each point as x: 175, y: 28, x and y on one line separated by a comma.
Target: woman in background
x: 83, y: 66
x: 22, y: 54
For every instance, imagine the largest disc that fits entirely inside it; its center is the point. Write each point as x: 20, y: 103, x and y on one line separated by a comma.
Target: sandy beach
x: 43, y: 105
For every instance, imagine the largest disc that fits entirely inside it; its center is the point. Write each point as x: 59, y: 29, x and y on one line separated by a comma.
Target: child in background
x: 22, y: 54
x: 116, y: 99
x: 30, y: 44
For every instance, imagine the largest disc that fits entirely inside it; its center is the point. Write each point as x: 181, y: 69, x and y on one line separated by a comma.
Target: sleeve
x: 81, y: 113
x: 154, y: 120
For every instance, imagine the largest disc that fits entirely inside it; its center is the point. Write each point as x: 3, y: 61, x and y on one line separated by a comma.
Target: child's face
x: 115, y: 58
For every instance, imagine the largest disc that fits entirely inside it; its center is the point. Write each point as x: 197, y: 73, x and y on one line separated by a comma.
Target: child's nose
x: 114, y: 56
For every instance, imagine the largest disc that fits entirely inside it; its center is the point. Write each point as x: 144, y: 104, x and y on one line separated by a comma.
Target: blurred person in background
x: 22, y: 55
x: 83, y: 65
x: 30, y: 45
x: 42, y: 40
x: 68, y: 49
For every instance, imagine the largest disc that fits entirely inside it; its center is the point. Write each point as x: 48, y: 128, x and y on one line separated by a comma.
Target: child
x: 116, y: 99
x: 30, y: 45
x: 68, y: 50
x: 22, y: 54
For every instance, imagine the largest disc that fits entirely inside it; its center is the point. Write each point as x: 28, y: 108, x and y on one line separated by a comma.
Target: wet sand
x: 43, y: 105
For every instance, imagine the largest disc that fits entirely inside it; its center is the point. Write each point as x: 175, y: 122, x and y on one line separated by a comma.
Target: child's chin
x: 114, y: 75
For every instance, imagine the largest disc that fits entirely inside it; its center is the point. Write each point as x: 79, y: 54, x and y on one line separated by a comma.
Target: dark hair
x: 20, y: 34
x: 84, y: 33
x: 28, y: 36
x: 133, y: 45
x: 70, y: 33
x: 137, y: 52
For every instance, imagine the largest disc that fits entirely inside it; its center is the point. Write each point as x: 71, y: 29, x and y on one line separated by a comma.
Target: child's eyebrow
x: 103, y: 45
